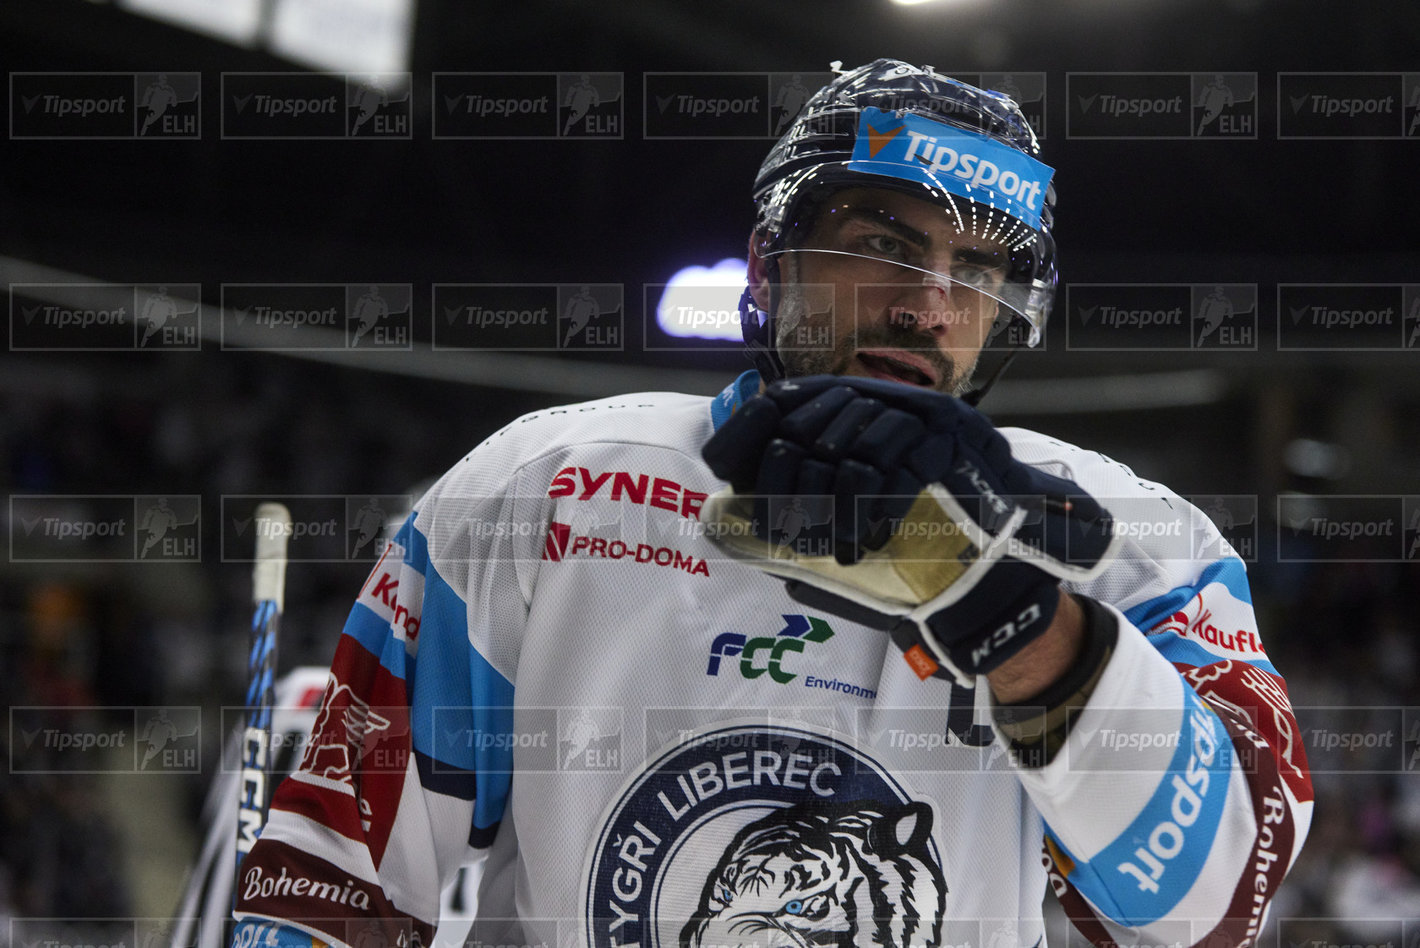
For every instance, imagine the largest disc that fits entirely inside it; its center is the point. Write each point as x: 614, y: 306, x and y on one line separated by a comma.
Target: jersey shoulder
x: 489, y: 512
x: 1166, y: 542
x: 1099, y: 474
x: 664, y: 420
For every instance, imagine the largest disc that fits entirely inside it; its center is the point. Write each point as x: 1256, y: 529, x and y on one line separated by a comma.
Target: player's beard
x: 795, y: 316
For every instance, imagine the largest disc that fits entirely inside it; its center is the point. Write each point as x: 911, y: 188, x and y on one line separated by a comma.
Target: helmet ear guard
x: 757, y: 326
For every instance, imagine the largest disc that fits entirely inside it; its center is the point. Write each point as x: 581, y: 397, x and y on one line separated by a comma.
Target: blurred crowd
x: 123, y: 635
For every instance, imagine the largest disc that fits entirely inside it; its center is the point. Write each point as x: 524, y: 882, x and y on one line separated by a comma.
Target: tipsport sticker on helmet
x: 965, y: 163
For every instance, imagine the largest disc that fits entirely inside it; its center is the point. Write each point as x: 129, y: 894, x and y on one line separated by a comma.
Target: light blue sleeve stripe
x: 493, y: 697
x: 1230, y: 572
x: 1149, y: 868
x: 373, y: 633
x: 458, y: 697
x: 458, y: 700
x: 416, y: 545
x: 1176, y: 649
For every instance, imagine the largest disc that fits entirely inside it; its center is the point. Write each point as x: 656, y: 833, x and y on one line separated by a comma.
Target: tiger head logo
x: 809, y: 876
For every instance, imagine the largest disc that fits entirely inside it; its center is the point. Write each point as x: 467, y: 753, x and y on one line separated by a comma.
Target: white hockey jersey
x: 646, y: 743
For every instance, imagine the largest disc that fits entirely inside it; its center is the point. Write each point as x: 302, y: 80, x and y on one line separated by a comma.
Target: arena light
x: 235, y: 21
x: 1309, y: 457
x: 702, y: 302
x: 357, y: 36
x: 369, y: 37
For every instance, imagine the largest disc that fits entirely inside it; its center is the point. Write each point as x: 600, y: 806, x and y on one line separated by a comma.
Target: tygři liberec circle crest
x: 759, y: 834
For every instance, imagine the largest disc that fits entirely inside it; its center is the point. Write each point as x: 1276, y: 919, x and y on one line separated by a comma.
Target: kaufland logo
x: 966, y: 163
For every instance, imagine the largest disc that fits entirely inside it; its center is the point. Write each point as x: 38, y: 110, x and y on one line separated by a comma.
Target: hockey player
x: 978, y: 663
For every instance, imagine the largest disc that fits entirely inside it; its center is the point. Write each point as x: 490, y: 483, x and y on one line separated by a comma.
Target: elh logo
x: 590, y: 316
x: 789, y: 92
x: 590, y: 105
x: 168, y: 318
x: 787, y: 97
x: 1410, y: 86
x: 1235, y: 516
x: 1225, y: 316
x: 169, y: 527
x: 169, y: 105
x: 1026, y: 89
x: 1224, y: 105
x: 1410, y: 320
x: 589, y: 739
x: 379, y: 315
x: 167, y: 741
x: 1410, y: 539
x: 1410, y: 746
x: 367, y: 521
x: 377, y: 106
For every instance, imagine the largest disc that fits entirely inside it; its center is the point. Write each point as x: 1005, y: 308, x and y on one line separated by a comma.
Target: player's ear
x: 758, y: 273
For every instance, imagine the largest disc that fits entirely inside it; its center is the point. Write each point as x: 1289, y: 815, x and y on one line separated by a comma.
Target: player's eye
x: 981, y: 276
x: 978, y: 277
x: 886, y: 246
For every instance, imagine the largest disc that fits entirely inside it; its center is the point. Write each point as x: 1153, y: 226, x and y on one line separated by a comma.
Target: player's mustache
x: 920, y: 344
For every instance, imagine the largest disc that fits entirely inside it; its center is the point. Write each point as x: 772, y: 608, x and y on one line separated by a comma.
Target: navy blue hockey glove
x: 902, y: 509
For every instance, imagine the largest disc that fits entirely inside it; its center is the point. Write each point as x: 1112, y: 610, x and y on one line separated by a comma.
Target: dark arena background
x: 212, y: 302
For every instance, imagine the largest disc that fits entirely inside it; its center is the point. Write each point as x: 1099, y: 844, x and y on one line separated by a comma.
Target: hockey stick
x: 273, y: 526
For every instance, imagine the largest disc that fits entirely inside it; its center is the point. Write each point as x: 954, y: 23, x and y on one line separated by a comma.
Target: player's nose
x: 923, y: 304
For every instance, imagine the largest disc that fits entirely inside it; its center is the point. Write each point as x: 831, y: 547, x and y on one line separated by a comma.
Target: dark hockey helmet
x: 969, y: 151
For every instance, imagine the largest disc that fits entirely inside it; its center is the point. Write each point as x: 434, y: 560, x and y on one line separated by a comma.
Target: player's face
x: 888, y: 286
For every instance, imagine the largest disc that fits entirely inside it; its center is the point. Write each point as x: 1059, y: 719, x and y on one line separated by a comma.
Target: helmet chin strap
x: 974, y: 397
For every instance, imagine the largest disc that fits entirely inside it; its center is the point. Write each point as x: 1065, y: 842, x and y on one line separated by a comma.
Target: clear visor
x: 946, y: 264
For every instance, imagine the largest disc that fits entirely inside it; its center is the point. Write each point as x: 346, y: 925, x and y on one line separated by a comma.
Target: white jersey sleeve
x: 1182, y: 795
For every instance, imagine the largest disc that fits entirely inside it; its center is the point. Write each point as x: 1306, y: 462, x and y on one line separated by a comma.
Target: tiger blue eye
x: 794, y: 907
